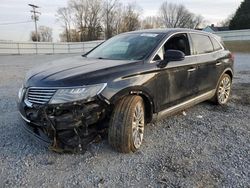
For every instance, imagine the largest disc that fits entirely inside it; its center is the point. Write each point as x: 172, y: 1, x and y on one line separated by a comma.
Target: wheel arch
x: 228, y: 71
x: 147, y: 99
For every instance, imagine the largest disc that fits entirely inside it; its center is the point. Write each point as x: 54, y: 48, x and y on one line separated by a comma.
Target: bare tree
x: 64, y: 15
x: 198, y: 21
x: 45, y: 34
x: 94, y: 21
x: 91, y: 20
x: 118, y: 19
x: 130, y: 18
x: 110, y: 12
x: 175, y: 15
x: 97, y: 18
x: 75, y: 36
x: 80, y: 11
x: 87, y: 18
x: 34, y: 37
x: 151, y: 22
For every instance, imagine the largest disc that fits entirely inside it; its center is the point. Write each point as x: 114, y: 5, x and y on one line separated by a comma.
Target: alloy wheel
x: 138, y: 125
x: 224, y: 90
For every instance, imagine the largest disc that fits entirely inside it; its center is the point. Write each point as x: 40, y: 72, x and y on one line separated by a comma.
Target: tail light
x: 231, y: 56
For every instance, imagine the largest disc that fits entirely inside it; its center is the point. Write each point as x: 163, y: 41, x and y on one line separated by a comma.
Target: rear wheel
x: 223, y: 91
x: 126, y: 127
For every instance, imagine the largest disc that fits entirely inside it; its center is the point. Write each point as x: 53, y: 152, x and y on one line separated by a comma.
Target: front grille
x: 40, y: 95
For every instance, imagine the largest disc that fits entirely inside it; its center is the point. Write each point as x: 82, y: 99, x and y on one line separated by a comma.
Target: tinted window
x: 177, y: 42
x: 133, y: 46
x: 216, y: 44
x: 202, y: 44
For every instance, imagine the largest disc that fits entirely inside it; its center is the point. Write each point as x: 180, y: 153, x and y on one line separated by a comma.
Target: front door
x: 177, y: 81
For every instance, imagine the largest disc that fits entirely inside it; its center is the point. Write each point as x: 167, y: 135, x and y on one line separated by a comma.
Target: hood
x: 74, y: 71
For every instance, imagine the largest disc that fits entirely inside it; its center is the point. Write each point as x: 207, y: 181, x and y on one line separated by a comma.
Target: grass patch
x: 238, y: 46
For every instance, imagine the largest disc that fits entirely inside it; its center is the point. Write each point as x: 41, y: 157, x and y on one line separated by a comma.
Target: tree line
x: 241, y: 18
x: 84, y: 20
x: 44, y: 34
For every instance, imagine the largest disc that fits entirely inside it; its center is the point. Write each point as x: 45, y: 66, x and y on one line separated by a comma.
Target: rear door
x: 207, y: 64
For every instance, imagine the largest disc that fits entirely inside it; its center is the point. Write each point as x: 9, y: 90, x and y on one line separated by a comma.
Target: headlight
x: 65, y: 95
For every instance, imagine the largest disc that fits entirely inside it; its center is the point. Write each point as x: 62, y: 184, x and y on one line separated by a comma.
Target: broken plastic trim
x: 70, y: 127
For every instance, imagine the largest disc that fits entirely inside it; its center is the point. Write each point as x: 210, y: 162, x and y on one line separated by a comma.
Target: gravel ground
x: 208, y: 147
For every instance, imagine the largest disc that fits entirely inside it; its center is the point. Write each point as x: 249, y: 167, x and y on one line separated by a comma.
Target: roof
x: 167, y: 30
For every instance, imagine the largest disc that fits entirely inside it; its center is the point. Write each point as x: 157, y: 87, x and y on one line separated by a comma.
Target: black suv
x: 123, y: 84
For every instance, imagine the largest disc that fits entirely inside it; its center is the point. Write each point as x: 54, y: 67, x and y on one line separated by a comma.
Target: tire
x: 126, y: 127
x: 223, y: 90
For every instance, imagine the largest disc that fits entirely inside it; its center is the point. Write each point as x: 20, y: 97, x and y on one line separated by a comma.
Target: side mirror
x: 171, y: 55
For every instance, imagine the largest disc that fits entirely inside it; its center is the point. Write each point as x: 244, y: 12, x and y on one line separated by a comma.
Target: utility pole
x: 35, y: 17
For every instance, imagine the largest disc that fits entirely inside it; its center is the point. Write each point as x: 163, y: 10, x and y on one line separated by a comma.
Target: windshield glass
x: 133, y: 46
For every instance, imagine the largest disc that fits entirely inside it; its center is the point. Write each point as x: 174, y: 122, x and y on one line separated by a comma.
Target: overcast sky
x: 19, y: 11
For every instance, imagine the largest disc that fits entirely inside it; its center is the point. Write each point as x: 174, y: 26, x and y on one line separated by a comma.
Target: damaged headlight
x: 65, y: 95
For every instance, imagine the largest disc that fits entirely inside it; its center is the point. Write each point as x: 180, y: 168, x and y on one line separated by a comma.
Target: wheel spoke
x: 228, y: 86
x: 224, y: 90
x: 133, y: 125
x: 138, y: 125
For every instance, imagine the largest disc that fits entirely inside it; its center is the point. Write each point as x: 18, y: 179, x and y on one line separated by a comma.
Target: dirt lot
x: 209, y: 147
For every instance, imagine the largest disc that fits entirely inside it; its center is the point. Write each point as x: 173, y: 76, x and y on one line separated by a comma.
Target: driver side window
x: 177, y: 42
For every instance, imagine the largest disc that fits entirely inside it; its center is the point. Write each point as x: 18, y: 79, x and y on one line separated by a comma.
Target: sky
x: 12, y: 11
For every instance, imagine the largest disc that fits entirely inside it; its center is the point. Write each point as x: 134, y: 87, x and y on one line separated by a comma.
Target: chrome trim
x: 39, y: 99
x: 71, y: 87
x: 24, y: 118
x: 29, y: 104
x: 192, y: 70
x: 104, y: 86
x: 38, y: 93
x: 47, y: 93
x: 43, y: 90
x: 186, y: 104
x: 39, y: 96
x: 42, y: 96
x: 36, y: 102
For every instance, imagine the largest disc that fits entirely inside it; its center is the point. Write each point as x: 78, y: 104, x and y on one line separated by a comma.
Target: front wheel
x: 126, y: 127
x: 223, y: 90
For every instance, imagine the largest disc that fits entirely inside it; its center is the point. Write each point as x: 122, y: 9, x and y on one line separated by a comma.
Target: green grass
x: 238, y: 46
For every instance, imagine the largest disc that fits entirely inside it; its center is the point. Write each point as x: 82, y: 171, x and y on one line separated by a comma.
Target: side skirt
x: 187, y: 104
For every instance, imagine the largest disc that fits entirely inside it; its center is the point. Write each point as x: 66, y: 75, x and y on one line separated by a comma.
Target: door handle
x: 192, y: 70
x: 218, y: 64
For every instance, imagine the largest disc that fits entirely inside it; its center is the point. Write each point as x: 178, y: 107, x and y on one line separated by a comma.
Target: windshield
x: 133, y: 46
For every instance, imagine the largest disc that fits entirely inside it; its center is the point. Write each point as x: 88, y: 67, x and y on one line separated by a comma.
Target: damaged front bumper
x: 68, y: 127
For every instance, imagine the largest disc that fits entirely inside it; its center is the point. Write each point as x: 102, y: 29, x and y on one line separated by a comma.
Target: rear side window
x: 216, y: 44
x: 202, y: 44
